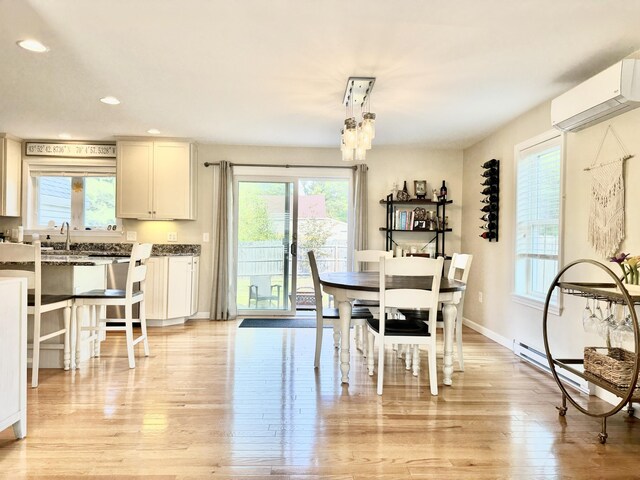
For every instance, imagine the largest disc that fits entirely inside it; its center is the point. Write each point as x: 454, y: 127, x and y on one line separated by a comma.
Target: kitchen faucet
x: 67, y: 243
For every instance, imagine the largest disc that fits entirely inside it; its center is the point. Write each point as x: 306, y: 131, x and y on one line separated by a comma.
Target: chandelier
x: 356, y: 136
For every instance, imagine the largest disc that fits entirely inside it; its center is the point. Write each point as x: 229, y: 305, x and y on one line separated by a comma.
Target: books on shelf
x: 403, y: 219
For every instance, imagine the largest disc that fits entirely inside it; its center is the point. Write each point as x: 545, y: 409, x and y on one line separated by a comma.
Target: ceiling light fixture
x: 33, y: 45
x: 153, y: 131
x: 64, y: 136
x: 110, y: 100
x: 356, y: 136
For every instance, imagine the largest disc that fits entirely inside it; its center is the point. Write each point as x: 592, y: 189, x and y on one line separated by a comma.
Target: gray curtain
x: 360, y: 205
x: 223, y: 298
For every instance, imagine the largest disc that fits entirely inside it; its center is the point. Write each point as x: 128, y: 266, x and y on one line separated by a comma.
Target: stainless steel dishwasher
x: 117, y: 278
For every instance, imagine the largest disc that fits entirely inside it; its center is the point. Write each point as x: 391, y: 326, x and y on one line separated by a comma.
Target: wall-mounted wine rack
x: 491, y: 201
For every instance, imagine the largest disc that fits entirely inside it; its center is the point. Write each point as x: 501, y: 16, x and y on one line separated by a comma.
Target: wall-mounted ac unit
x: 611, y: 92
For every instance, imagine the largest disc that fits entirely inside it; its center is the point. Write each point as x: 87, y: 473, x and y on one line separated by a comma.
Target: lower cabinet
x: 13, y: 355
x: 171, y: 289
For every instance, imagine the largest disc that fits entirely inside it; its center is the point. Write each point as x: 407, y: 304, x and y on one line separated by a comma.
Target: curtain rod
x: 214, y: 164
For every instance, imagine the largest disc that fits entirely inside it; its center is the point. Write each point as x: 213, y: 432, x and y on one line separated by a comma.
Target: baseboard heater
x: 539, y: 359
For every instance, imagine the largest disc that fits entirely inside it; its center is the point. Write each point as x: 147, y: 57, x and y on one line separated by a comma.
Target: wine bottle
x: 488, y: 235
x: 489, y: 207
x: 489, y: 190
x: 443, y: 191
x: 490, y: 172
x: 489, y: 217
x: 489, y: 226
x: 405, y: 189
x: 490, y: 181
x: 490, y: 199
x: 491, y: 163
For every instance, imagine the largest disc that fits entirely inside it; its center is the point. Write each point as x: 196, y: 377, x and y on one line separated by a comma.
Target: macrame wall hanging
x: 606, y: 213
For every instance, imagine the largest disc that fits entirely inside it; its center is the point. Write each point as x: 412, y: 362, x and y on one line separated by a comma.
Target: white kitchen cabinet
x: 156, y: 180
x: 171, y: 294
x: 10, y: 176
x: 13, y: 355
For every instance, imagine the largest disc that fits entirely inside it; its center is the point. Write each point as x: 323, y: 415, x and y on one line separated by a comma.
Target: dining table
x: 349, y: 286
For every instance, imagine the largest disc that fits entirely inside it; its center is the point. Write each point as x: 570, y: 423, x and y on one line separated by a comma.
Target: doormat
x: 280, y: 323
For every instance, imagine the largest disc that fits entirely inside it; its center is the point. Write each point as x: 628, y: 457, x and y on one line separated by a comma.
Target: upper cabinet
x: 156, y: 180
x: 10, y: 172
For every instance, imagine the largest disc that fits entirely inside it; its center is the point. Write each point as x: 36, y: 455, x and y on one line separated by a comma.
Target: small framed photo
x: 420, y: 187
x: 419, y: 225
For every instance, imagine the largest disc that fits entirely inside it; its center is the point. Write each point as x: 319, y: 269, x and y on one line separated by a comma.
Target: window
x: 82, y: 194
x: 538, y: 244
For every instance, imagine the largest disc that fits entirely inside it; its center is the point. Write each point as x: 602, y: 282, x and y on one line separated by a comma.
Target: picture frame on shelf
x: 420, y: 187
x: 420, y: 225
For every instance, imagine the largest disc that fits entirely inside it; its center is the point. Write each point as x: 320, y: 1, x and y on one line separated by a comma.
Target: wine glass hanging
x: 491, y: 200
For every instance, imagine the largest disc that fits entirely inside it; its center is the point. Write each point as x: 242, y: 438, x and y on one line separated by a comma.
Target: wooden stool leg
x: 370, y: 339
x: 95, y: 331
x: 416, y: 360
x: 128, y: 326
x: 35, y: 358
x: 67, y: 349
x: 102, y: 324
x: 79, y: 319
x: 143, y: 326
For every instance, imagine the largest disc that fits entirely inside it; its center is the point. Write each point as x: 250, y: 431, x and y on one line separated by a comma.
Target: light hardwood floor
x: 215, y: 401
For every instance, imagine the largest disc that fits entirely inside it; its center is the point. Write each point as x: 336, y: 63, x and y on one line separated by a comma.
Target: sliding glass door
x: 266, y: 246
x: 279, y: 219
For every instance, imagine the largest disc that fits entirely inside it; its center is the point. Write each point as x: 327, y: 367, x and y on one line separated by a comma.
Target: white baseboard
x: 504, y: 341
x: 166, y: 323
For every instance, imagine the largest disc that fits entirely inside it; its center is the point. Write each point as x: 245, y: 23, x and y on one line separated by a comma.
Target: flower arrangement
x: 629, y: 266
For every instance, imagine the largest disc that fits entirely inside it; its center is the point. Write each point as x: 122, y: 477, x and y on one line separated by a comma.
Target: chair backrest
x: 137, y: 271
x: 459, y: 267
x: 262, y: 283
x: 29, y: 265
x: 317, y: 289
x: 411, y: 298
x: 369, y: 260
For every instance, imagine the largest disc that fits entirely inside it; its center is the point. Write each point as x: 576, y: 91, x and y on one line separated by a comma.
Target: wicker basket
x: 615, y: 365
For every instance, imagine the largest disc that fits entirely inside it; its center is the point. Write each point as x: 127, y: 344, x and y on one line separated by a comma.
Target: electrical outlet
x: 132, y: 236
x: 172, y: 236
x: 480, y: 297
x: 205, y: 237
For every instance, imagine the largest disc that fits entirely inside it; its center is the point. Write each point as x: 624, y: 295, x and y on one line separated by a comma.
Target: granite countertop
x: 120, y: 249
x: 74, y: 261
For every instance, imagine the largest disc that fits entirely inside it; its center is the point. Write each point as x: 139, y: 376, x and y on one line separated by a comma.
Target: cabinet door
x: 11, y: 160
x: 179, y: 287
x: 172, y: 174
x: 195, y: 284
x: 133, y: 179
x: 155, y: 294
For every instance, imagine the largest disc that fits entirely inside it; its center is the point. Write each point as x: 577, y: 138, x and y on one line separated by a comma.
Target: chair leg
x: 128, y: 326
x: 67, y: 349
x: 100, y: 329
x: 433, y: 370
x: 97, y: 312
x: 35, y: 358
x: 319, y: 331
x: 143, y: 326
x: 407, y: 356
x: 380, y: 363
x: 359, y: 339
x: 459, y: 341
x: 79, y: 319
x: 73, y: 335
x: 370, y: 353
x: 416, y: 360
x: 336, y: 334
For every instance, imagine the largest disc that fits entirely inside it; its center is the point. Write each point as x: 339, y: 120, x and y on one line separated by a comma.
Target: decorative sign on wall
x: 73, y: 150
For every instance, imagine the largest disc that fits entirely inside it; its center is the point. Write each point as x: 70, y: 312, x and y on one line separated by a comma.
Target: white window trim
x: 554, y: 308
x: 75, y: 165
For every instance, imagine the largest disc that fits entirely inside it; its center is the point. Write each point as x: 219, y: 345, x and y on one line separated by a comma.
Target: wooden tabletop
x: 370, y: 281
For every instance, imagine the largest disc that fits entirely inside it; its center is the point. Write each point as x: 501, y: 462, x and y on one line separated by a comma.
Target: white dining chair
x: 100, y: 299
x: 324, y: 316
x: 458, y: 270
x: 415, y: 333
x: 25, y: 261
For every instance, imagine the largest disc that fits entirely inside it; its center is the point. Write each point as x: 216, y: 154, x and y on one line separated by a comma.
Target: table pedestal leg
x: 344, y: 308
x: 449, y: 313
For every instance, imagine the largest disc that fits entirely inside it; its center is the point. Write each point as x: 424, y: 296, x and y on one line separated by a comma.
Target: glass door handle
x: 294, y: 249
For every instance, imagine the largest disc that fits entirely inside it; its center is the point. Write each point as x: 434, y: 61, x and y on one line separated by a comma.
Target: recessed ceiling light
x: 65, y: 136
x: 33, y: 45
x: 153, y: 131
x: 110, y: 100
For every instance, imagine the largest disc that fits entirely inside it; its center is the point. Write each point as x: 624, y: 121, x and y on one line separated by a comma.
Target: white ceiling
x: 273, y: 72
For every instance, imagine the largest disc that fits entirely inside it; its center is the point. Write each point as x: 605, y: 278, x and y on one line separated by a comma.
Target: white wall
x: 492, y: 269
x: 386, y: 166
